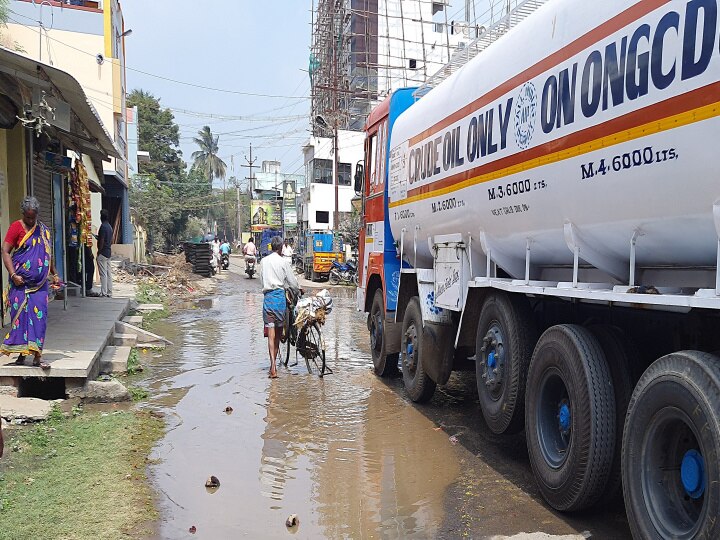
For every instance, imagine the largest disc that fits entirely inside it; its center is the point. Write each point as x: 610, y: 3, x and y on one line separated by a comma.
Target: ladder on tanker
x: 487, y: 37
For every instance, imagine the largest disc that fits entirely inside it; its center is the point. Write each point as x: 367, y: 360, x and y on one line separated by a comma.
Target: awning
x: 38, y: 75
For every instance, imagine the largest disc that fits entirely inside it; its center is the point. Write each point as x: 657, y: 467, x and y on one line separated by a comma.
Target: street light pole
x: 336, y: 220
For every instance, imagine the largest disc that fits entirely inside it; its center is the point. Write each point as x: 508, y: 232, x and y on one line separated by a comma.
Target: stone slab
x: 33, y: 409
x: 136, y: 320
x: 124, y: 340
x: 114, y: 359
x: 122, y: 327
x: 150, y: 307
x: 75, y: 338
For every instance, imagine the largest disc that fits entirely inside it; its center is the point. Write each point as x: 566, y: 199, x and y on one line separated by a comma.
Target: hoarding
x: 290, y: 204
x: 265, y: 215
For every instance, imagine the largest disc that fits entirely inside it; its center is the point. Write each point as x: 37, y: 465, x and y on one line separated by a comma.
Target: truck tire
x: 385, y: 365
x: 419, y: 386
x: 620, y: 353
x: 504, y: 344
x: 671, y: 449
x: 570, y: 417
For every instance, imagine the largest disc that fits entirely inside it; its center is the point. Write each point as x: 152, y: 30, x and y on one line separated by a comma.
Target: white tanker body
x: 551, y: 212
x: 591, y: 120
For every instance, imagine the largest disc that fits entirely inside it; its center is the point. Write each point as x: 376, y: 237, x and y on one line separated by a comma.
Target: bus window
x: 370, y: 164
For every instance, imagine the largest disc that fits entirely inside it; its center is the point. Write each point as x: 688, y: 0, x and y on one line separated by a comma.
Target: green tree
x: 206, y: 159
x: 159, y: 135
x: 156, y: 208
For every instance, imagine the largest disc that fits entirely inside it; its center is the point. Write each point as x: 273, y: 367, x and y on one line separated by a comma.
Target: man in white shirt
x: 287, y: 252
x: 275, y: 277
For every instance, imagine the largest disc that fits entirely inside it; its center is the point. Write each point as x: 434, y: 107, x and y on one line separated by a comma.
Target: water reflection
x: 345, y: 453
x: 377, y: 467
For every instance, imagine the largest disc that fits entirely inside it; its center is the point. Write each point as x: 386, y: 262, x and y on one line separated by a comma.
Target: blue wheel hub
x: 492, y: 360
x: 564, y: 417
x: 692, y: 473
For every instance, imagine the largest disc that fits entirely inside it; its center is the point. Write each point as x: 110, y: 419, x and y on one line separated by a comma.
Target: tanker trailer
x: 551, y: 212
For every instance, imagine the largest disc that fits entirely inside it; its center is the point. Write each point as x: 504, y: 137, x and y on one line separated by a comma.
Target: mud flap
x: 438, y: 340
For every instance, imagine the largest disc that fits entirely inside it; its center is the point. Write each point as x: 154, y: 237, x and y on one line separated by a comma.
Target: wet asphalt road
x: 349, y: 454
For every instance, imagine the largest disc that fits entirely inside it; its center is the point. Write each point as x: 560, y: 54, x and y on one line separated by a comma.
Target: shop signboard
x: 265, y: 215
x: 290, y: 204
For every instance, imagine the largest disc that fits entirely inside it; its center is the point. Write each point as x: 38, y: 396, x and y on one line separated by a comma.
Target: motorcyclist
x: 250, y: 251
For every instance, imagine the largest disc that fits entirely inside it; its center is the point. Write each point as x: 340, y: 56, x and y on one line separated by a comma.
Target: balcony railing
x: 85, y: 5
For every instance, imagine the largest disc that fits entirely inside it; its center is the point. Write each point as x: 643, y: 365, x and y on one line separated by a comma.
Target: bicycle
x: 305, y: 335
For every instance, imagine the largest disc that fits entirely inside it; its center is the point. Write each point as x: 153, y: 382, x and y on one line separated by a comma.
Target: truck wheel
x: 570, y: 417
x: 418, y: 385
x: 503, y: 349
x: 671, y: 449
x: 384, y: 364
x: 620, y: 353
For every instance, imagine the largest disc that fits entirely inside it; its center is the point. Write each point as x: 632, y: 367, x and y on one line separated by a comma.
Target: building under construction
x: 363, y: 49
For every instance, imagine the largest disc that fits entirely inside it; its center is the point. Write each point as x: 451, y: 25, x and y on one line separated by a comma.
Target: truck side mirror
x: 359, y: 177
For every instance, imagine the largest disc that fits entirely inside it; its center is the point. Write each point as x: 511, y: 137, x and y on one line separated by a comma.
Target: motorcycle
x: 250, y: 266
x: 344, y: 273
x: 225, y: 261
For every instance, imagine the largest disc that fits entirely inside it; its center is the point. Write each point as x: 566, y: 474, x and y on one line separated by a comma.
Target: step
x: 122, y: 327
x: 137, y: 320
x: 124, y: 340
x: 114, y: 359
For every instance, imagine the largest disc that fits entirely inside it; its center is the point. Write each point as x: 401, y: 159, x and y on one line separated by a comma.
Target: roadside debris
x: 228, y: 409
x: 170, y: 272
x: 192, y: 530
x: 292, y: 521
x: 212, y: 482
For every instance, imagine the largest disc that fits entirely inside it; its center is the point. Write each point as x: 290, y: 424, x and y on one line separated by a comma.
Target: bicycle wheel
x: 315, y: 349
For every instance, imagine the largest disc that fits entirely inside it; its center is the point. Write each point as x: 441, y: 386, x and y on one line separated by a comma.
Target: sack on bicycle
x: 313, y: 309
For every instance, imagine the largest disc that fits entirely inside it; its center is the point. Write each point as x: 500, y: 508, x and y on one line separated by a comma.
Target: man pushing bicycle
x: 276, y: 275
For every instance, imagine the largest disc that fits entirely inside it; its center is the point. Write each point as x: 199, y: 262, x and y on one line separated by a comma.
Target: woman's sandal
x: 39, y: 363
x: 20, y: 360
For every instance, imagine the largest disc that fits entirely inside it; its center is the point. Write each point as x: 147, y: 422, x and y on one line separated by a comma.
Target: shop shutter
x: 42, y: 191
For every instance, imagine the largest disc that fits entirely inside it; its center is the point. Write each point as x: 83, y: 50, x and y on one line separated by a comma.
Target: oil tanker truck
x: 551, y: 213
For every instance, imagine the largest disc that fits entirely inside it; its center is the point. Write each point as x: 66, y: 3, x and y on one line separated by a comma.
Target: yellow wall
x: 16, y: 170
x: 4, y: 206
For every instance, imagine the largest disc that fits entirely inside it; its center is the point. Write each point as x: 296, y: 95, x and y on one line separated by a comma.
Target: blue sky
x: 255, y: 47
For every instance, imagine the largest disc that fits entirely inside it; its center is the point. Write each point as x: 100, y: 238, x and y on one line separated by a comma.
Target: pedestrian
x: 275, y: 277
x: 89, y: 271
x: 215, y: 244
x: 27, y: 256
x: 105, y: 234
x: 287, y: 252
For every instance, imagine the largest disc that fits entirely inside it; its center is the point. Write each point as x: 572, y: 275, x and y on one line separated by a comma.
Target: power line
x: 160, y: 77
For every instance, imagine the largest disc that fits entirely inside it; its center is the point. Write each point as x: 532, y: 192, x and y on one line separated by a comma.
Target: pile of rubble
x: 170, y: 272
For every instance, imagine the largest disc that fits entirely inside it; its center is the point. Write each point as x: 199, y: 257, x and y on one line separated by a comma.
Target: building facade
x: 86, y: 39
x: 317, y: 200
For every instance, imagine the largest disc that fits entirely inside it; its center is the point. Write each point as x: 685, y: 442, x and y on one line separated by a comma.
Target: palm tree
x: 206, y: 159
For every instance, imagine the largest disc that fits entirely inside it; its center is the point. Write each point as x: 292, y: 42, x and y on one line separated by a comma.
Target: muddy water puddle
x: 346, y: 453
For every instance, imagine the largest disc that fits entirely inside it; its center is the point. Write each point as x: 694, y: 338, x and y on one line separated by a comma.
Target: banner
x: 290, y: 204
x: 265, y: 215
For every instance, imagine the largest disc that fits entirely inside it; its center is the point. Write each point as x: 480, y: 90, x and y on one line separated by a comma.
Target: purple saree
x: 28, y: 303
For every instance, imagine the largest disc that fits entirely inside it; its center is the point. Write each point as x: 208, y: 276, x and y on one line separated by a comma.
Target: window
x: 370, y: 159
x: 322, y: 216
x: 412, y: 63
x: 344, y: 174
x: 322, y: 171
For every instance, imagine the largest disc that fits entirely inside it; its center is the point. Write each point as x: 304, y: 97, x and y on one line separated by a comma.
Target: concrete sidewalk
x: 75, y: 338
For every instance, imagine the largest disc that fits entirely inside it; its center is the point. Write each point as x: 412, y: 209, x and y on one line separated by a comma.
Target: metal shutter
x: 42, y: 191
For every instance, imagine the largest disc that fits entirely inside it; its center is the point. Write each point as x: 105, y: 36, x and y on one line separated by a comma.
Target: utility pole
x: 250, y: 165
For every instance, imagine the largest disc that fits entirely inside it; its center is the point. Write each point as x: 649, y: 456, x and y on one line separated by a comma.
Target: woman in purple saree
x: 27, y: 257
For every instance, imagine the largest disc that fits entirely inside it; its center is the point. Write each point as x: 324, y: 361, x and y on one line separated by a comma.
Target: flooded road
x: 349, y: 454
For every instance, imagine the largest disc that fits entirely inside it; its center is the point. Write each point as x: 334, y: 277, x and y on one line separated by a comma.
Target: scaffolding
x: 363, y: 49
